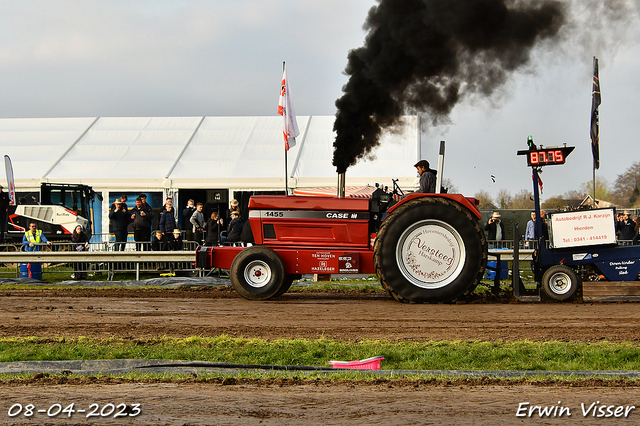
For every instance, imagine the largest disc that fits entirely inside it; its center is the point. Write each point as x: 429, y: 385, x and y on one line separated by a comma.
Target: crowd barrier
x: 101, y: 258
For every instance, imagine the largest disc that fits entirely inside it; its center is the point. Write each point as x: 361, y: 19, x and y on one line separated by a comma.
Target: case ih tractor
x: 424, y: 248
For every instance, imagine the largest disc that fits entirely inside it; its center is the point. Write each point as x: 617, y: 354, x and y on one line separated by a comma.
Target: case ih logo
x: 342, y: 215
x: 310, y: 214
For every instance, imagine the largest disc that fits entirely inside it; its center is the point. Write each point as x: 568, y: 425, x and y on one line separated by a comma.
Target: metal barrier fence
x: 101, y: 258
x: 533, y: 244
x: 100, y: 263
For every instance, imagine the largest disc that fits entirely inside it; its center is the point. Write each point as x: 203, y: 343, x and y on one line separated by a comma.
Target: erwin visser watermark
x: 591, y: 409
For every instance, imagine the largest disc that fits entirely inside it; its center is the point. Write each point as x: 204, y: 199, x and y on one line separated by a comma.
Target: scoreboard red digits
x: 547, y: 156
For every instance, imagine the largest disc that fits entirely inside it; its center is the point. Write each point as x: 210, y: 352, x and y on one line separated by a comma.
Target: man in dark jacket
x: 167, y: 221
x: 235, y: 228
x: 495, y: 229
x: 214, y: 226
x: 626, y: 227
x: 148, y: 210
x: 198, y: 222
x: 186, y: 219
x: 141, y: 224
x: 119, y: 222
x: 247, y: 233
x: 427, y: 177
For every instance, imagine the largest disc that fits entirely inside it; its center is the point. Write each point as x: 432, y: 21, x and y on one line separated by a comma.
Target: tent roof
x: 193, y: 152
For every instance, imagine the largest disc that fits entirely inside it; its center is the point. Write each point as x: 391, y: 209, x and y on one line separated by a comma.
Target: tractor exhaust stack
x: 341, y: 185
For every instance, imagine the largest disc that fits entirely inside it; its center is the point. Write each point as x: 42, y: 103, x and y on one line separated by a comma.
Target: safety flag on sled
x: 10, y: 181
x: 595, y: 128
x: 285, y: 109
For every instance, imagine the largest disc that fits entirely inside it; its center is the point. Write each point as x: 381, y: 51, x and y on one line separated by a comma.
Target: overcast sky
x: 224, y: 58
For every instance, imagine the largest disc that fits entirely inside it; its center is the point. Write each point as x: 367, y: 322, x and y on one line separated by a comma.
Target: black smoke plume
x: 426, y: 55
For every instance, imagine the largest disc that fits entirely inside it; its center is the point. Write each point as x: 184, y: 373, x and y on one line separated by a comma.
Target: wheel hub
x: 257, y: 274
x: 430, y: 254
x: 560, y: 283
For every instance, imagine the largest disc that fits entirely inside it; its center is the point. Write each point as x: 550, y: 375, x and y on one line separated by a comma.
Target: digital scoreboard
x: 538, y: 157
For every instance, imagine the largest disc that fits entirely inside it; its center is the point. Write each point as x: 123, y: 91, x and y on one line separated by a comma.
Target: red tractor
x: 423, y: 248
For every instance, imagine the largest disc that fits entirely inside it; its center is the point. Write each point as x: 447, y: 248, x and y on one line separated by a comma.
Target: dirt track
x: 338, y: 315
x: 313, y: 404
x: 341, y: 316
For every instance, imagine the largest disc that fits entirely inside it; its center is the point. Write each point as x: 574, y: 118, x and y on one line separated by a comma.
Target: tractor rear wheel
x: 560, y: 282
x: 257, y: 273
x: 430, y: 249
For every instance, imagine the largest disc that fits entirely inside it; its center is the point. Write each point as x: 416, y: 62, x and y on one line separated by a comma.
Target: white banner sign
x: 583, y: 228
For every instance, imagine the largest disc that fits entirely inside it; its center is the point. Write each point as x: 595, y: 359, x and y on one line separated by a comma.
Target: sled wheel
x: 560, y: 282
x: 257, y: 273
x: 430, y: 249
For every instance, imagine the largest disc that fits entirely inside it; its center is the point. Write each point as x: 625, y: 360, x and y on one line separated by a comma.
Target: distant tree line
x: 624, y: 192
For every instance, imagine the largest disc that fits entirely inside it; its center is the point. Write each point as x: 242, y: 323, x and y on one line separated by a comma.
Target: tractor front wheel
x: 257, y: 273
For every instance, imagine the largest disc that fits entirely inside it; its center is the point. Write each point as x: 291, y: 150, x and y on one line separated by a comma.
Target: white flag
x: 285, y: 109
x: 10, y: 181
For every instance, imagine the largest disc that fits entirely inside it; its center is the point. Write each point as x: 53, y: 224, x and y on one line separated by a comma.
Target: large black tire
x: 286, y: 284
x: 560, y: 282
x: 430, y: 249
x: 257, y: 273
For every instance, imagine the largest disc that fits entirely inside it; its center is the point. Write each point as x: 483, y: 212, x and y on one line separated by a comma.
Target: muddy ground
x: 341, y: 315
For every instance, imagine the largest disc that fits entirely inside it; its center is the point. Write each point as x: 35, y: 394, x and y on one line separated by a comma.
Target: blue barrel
x: 31, y: 270
x: 491, y: 270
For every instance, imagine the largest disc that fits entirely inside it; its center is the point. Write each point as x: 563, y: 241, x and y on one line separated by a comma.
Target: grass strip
x: 447, y: 355
x: 413, y: 382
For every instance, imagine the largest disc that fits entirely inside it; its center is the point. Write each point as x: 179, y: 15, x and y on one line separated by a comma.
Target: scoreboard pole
x: 536, y: 202
x: 536, y: 158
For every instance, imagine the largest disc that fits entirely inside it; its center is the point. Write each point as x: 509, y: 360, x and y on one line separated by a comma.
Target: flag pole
x: 290, y: 126
x: 286, y: 174
x: 594, y: 187
x: 596, y: 100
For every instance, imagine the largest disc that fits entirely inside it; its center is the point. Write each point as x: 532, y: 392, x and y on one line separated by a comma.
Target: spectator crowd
x: 163, y: 233
x: 627, y: 229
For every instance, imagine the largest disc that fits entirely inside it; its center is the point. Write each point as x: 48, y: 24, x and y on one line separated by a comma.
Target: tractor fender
x: 469, y: 203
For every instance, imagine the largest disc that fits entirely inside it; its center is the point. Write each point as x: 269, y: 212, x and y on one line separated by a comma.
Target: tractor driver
x: 33, y: 238
x: 427, y: 177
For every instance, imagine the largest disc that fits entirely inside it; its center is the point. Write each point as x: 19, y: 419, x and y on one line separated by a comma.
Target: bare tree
x: 451, y: 188
x: 504, y: 199
x: 523, y: 200
x: 574, y: 194
x: 602, y: 189
x: 555, y: 203
x: 484, y: 200
x: 625, y: 189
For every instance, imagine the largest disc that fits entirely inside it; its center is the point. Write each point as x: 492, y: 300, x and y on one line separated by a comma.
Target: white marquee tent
x: 120, y: 154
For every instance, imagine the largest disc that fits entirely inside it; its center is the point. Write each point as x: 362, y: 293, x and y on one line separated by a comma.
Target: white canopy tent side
x: 392, y: 159
x: 146, y: 154
x: 35, y: 145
